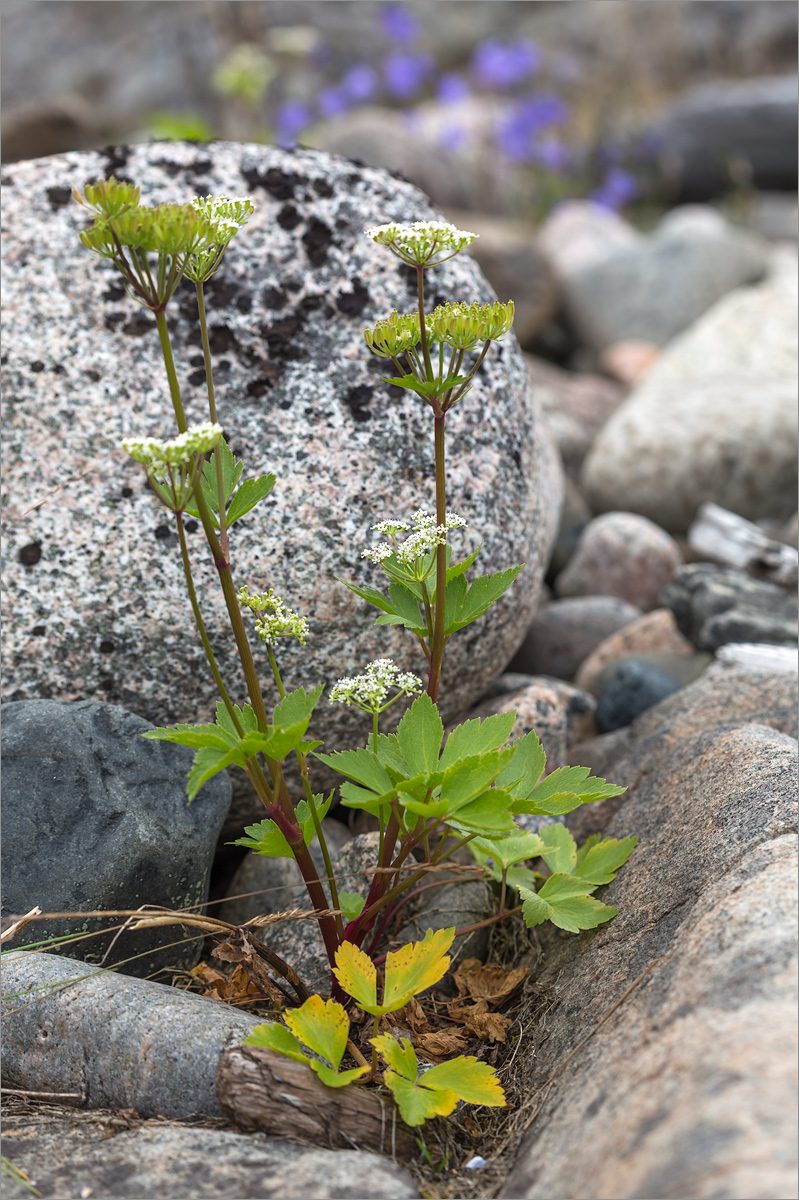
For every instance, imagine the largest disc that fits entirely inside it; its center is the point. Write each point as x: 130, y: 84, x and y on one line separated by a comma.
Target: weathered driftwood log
x: 727, y: 538
x: 259, y: 1090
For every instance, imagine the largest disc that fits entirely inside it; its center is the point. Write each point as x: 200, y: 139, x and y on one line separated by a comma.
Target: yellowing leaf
x: 416, y: 967
x: 475, y: 1082
x: 338, y: 1078
x: 356, y: 973
x: 278, y: 1038
x: 401, y: 1058
x: 417, y: 1104
x: 322, y: 1026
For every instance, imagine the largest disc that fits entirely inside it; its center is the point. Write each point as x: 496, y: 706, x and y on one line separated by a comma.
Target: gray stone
x: 96, y: 568
x: 713, y: 605
x: 575, y: 407
x: 714, y: 419
x: 96, y: 817
x: 687, y: 1088
x: 729, y: 132
x: 184, y: 1163
x: 630, y: 688
x: 682, y: 668
x: 120, y: 1042
x: 624, y: 555
x: 562, y: 634
x: 654, y: 290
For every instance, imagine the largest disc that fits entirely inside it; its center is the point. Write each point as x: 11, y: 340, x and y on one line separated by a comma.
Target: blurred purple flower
x: 499, y: 65
x: 618, y: 188
x: 552, y: 154
x: 359, y: 84
x: 452, y: 87
x: 518, y: 131
x: 398, y: 24
x: 290, y: 119
x: 405, y: 73
x: 452, y: 138
x: 332, y: 101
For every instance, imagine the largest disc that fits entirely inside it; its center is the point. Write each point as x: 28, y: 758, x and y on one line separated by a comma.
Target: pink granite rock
x: 654, y: 633
x: 621, y: 554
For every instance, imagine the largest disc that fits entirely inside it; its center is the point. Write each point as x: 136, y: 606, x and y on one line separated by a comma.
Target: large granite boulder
x: 666, y: 1064
x: 95, y: 817
x: 94, y: 587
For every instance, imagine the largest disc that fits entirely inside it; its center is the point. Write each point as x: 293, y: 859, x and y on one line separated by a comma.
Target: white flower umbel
x: 156, y: 454
x: 369, y: 691
x: 423, y: 243
x: 425, y: 538
x: 272, y: 620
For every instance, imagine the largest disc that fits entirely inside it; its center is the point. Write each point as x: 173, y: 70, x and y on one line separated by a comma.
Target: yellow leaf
x: 475, y: 1082
x: 356, y: 973
x: 323, y: 1026
x: 416, y: 967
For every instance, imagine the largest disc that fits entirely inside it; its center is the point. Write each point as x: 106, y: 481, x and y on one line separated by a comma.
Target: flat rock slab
x: 85, y: 1155
x: 668, y: 1062
x: 94, y: 578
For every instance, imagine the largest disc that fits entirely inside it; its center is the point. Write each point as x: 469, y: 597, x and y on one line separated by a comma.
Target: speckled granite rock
x: 655, y: 631
x: 96, y: 817
x: 93, y: 575
x: 624, y: 555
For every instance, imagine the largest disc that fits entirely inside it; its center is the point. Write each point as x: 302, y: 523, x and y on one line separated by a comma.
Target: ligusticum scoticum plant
x: 430, y: 795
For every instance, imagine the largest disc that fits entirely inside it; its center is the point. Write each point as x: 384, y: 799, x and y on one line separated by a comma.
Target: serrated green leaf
x: 487, y: 813
x: 418, y: 1104
x: 354, y: 796
x: 575, y: 779
x: 251, y: 492
x: 506, y: 851
x: 266, y: 839
x: 246, y: 716
x: 421, y: 387
x: 477, y: 737
x: 603, y: 859
x: 400, y: 1057
x: 475, y: 1082
x: 371, y: 595
x: 361, y: 765
x: 351, y: 905
x: 272, y: 1036
x: 484, y: 592
x: 587, y: 845
x: 194, y: 736
x: 526, y: 766
x: 390, y: 755
x: 392, y: 619
x: 231, y: 470
x: 560, y: 853
x: 469, y: 777
x: 296, y: 707
x: 337, y: 1078
x: 454, y: 598
x: 208, y: 762
x: 567, y: 903
x: 415, y: 968
x: 406, y: 606
x: 554, y: 806
x: 460, y: 567
x: 420, y: 733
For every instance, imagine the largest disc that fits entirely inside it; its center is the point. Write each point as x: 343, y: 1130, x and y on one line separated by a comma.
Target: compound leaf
x: 602, y: 859
x: 357, y: 974
x: 251, y: 492
x: 419, y: 735
x: 415, y: 968
x: 560, y: 853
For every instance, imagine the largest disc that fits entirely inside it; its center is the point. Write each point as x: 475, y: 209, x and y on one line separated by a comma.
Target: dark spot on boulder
x: 408, y: 274
x: 222, y: 291
x: 353, y: 303
x: 280, y: 184
x: 517, y: 458
x: 107, y: 647
x: 93, y: 375
x: 58, y: 369
x: 39, y: 631
x: 162, y: 532
x: 108, y: 685
x: 223, y: 365
x: 358, y: 399
x: 274, y: 298
x: 322, y: 188
x: 126, y: 493
x: 37, y: 366
x: 284, y: 404
x: 29, y: 555
x: 197, y: 360
x: 265, y: 382
x: 288, y: 217
x: 114, y: 292
x: 438, y: 300
x: 170, y: 168
x: 244, y: 303
x: 221, y: 339
x: 116, y: 160
x: 316, y: 240
x: 191, y: 526
x: 3, y: 359
x: 197, y: 378
x: 279, y: 337
x: 59, y: 197
x: 138, y: 326
x: 310, y: 304
x: 200, y: 166
x: 292, y: 285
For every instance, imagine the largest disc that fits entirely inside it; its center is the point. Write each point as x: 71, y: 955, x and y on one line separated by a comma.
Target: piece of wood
x: 725, y: 537
x: 259, y: 1090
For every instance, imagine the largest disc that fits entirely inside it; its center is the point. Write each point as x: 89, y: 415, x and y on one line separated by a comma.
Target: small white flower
x: 423, y: 243
x: 272, y: 620
x: 369, y: 691
x: 156, y: 454
x: 425, y: 537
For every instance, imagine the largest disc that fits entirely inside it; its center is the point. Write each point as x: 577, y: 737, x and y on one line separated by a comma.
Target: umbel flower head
x: 464, y: 326
x: 426, y: 536
x: 422, y: 244
x: 173, y: 467
x: 369, y: 691
x: 272, y: 620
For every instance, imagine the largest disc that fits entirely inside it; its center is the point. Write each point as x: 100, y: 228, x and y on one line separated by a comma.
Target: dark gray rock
x: 631, y: 687
x: 96, y: 817
x: 183, y: 1163
x: 682, y: 668
x: 686, y: 1088
x: 714, y: 605
x: 720, y: 134
x: 562, y: 634
x: 98, y: 595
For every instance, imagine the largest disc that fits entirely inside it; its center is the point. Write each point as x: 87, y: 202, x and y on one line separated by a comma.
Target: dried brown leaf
x: 488, y: 981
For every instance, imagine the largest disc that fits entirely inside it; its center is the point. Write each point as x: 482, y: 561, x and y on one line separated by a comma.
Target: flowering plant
x: 429, y: 796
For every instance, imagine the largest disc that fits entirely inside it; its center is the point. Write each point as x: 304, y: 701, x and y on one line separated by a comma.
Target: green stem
x: 437, y: 648
x: 209, y: 380
x: 428, y: 367
x: 169, y: 363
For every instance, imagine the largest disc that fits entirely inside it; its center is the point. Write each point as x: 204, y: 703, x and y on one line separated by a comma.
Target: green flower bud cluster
x: 394, y: 336
x: 272, y: 620
x: 108, y: 198
x: 157, y: 455
x: 422, y: 244
x: 369, y: 691
x: 464, y: 326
